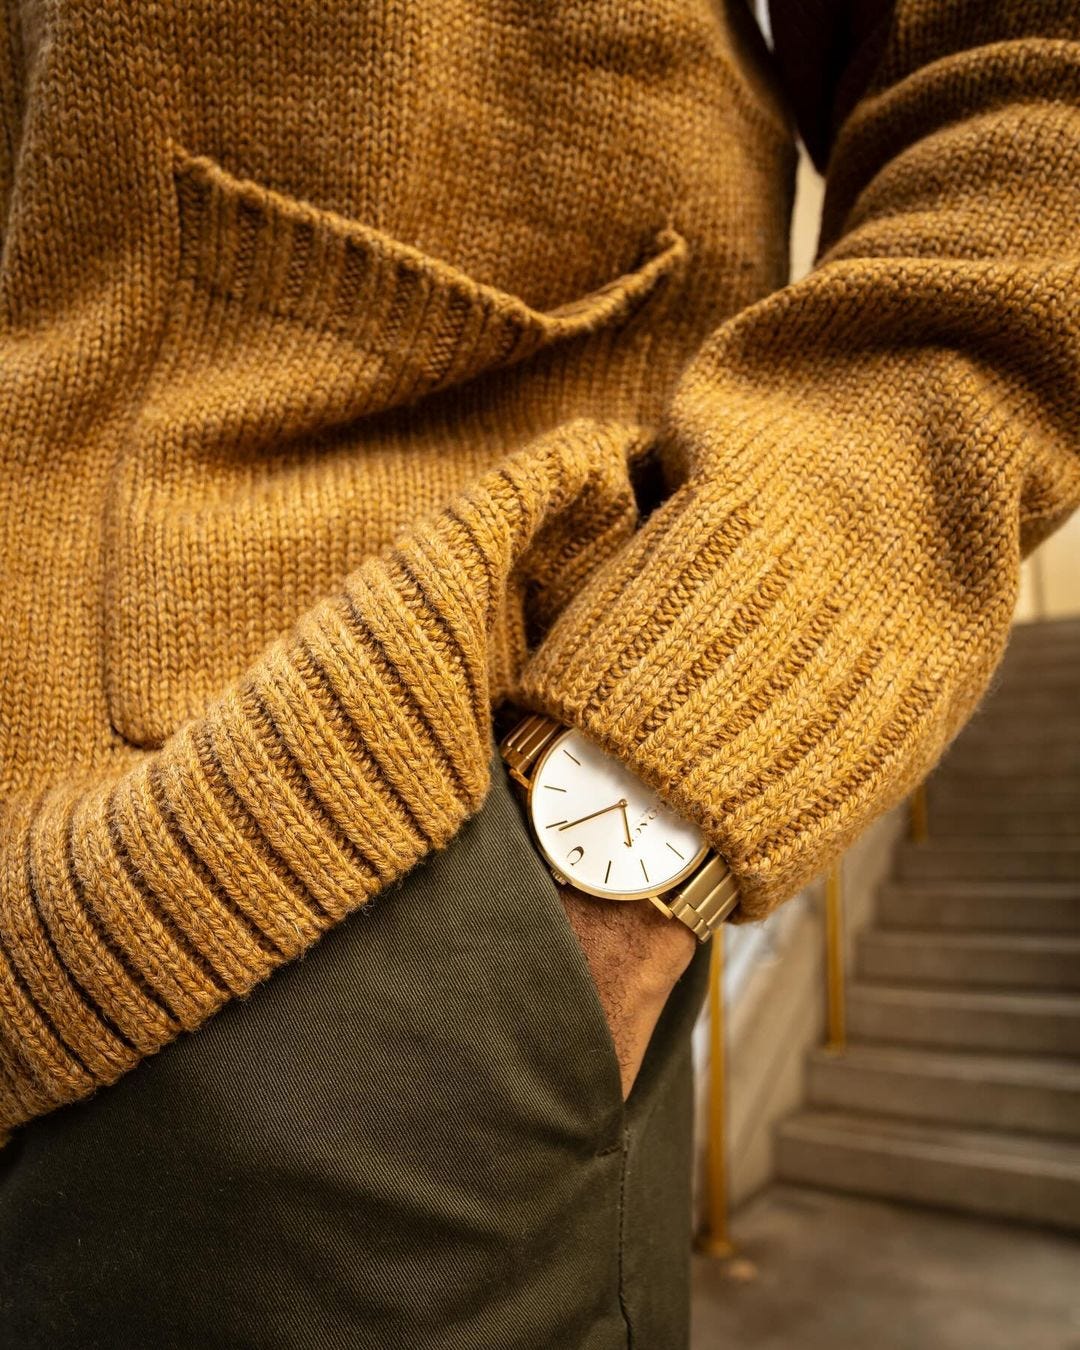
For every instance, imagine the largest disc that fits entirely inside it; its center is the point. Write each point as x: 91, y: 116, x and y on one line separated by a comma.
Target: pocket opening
x: 429, y: 324
x: 249, y: 481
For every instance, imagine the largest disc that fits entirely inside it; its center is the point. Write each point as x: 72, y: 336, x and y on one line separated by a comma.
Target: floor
x: 815, y: 1270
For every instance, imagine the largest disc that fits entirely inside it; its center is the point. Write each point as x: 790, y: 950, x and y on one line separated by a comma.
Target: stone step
x: 1044, y: 789
x: 1015, y: 713
x: 1002, y: 800
x: 1001, y: 757
x: 982, y: 803
x: 1046, y: 645
x: 1004, y: 1175
x: 1016, y: 736
x: 1006, y: 823
x: 1046, y: 659
x: 1030, y: 906
x: 1010, y: 1092
x: 1037, y: 961
x: 961, y: 1083
x: 1011, y: 789
x: 1031, y: 691
x: 1046, y: 669
x: 1060, y: 759
x: 1053, y: 682
x: 985, y: 827
x: 1043, y: 630
x: 1044, y: 816
x: 1036, y: 670
x: 1039, y: 630
x: 1010, y: 1023
x: 1046, y: 860
x: 1019, y: 731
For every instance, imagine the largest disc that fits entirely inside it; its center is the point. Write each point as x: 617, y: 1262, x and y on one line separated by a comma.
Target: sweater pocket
x: 319, y: 385
x: 406, y: 324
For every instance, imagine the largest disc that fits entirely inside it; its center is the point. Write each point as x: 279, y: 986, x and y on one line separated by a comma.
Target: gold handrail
x: 919, y: 815
x: 835, y: 973
x: 716, y: 1238
x: 834, y: 961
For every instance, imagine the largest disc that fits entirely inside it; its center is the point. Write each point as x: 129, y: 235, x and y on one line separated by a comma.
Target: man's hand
x: 636, y: 955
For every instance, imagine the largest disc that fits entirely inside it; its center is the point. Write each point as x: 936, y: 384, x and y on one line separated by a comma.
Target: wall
x: 777, y: 1015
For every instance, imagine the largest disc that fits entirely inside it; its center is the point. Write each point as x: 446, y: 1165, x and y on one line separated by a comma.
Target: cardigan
x: 363, y: 366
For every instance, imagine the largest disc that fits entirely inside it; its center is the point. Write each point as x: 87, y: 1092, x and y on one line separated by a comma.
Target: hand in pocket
x: 636, y: 956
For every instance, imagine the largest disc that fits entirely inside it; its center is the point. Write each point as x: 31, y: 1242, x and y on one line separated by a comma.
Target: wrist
x: 606, y: 833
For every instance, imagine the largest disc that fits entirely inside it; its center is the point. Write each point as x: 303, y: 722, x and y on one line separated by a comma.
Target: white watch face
x: 603, y: 829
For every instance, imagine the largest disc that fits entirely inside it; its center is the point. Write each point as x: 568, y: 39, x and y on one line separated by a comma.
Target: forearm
x: 133, y: 904
x: 860, y: 462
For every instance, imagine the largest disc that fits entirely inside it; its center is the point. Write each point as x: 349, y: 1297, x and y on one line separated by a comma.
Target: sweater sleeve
x: 135, y: 902
x: 858, y: 465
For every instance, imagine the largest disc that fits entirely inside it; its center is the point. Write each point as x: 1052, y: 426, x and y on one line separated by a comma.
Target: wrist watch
x: 604, y: 832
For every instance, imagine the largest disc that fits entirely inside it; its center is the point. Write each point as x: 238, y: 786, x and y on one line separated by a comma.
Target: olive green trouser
x: 413, y: 1137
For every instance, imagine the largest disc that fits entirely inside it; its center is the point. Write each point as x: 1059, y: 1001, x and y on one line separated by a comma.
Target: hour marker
x: 642, y: 861
x: 555, y: 823
x: 676, y: 852
x: 608, y: 872
x: 570, y: 856
x: 550, y: 787
x: 570, y: 756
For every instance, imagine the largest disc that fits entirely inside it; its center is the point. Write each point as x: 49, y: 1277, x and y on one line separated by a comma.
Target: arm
x: 135, y: 901
x: 860, y: 462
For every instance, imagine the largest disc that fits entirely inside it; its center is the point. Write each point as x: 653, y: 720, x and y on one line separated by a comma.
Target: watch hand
x: 626, y: 826
x: 615, y: 806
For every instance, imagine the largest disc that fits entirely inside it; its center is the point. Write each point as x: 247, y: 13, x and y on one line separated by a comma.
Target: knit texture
x: 363, y: 366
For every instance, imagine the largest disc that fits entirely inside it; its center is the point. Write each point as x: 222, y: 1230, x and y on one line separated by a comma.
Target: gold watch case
x: 647, y: 892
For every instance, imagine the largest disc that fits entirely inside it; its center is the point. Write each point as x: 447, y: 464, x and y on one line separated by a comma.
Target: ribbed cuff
x: 783, y: 650
x: 133, y: 907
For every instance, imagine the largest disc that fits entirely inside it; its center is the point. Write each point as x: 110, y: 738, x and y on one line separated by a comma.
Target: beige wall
x: 809, y: 194
x: 778, y: 1016
x: 1050, y: 579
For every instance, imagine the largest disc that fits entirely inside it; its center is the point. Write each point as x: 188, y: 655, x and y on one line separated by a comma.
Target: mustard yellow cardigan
x: 362, y: 365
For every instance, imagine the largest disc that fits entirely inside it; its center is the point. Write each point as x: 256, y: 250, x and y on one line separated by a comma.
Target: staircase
x: 960, y: 1086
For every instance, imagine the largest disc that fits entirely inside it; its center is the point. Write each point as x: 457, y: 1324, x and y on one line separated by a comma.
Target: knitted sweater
x: 362, y: 365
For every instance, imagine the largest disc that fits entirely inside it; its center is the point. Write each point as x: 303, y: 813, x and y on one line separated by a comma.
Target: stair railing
x: 715, y: 1239
x: 919, y: 815
x: 835, y: 964
x: 835, y: 974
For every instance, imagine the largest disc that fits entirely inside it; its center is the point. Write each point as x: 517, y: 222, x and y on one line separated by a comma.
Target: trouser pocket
x: 413, y: 1136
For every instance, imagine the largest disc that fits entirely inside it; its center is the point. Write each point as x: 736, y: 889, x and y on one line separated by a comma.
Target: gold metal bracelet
x: 703, y: 903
